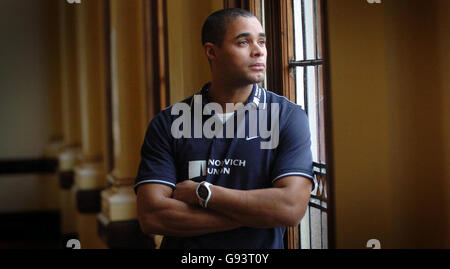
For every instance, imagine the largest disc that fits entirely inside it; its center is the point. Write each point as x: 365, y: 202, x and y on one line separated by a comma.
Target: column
x: 117, y: 222
x: 69, y: 155
x: 90, y: 174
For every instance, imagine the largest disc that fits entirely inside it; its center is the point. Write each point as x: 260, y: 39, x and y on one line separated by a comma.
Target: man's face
x: 242, y: 57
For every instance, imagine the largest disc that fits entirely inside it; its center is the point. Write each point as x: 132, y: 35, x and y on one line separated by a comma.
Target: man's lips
x: 257, y: 67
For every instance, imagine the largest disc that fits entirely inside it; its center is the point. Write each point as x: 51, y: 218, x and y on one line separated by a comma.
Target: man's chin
x: 249, y: 80
x: 256, y: 78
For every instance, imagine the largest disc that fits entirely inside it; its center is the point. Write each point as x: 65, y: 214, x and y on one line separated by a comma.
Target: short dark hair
x: 216, y: 24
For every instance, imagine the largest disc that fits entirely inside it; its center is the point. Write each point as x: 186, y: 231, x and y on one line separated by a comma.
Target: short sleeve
x: 293, y: 154
x: 157, y: 162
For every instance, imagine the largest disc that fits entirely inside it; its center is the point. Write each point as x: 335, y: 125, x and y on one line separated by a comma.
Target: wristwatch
x: 203, y: 193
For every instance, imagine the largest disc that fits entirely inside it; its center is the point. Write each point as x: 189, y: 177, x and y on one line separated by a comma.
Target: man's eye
x: 244, y: 42
x: 262, y: 42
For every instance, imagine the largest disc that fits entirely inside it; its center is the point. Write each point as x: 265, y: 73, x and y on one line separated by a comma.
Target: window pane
x: 324, y: 230
x: 309, y: 29
x: 300, y: 87
x: 319, y: 28
x: 312, y: 110
x: 298, y: 30
x: 304, y: 231
x: 312, y: 103
x: 325, y: 192
x: 316, y: 229
x: 263, y: 18
x: 306, y: 29
x: 316, y: 189
x: 321, y: 114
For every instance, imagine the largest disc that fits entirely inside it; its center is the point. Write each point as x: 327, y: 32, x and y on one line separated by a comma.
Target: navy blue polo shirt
x: 235, y: 162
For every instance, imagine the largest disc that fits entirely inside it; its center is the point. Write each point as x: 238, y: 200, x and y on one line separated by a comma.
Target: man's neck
x: 223, y: 94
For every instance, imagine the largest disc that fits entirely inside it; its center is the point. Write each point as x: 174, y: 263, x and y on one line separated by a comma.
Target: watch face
x: 202, y: 192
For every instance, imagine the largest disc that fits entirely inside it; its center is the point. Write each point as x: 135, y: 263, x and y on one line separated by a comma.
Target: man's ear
x: 210, y: 50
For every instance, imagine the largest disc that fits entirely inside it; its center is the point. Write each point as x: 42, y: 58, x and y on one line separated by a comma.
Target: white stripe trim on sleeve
x: 293, y: 173
x: 154, y: 181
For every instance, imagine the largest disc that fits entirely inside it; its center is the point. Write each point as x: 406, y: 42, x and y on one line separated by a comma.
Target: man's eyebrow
x: 248, y: 34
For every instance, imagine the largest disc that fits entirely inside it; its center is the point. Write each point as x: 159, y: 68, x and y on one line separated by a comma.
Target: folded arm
x: 159, y: 213
x: 282, y: 205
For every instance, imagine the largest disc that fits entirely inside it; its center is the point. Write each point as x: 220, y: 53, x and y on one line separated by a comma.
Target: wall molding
x: 28, y: 166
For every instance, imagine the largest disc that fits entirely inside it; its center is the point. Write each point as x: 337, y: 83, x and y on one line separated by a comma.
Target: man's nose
x: 257, y: 50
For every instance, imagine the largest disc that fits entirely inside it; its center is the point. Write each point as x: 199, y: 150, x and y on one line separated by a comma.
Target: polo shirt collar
x: 257, y: 97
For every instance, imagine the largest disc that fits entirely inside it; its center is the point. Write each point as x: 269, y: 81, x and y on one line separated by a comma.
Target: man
x: 227, y: 192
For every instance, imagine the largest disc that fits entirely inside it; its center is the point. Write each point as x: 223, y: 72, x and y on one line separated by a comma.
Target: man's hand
x: 186, y: 192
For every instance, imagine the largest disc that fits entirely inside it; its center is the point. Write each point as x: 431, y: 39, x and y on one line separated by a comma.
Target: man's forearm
x: 178, y: 218
x: 270, y: 207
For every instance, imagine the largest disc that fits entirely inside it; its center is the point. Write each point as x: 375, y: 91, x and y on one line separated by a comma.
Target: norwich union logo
x: 197, y: 169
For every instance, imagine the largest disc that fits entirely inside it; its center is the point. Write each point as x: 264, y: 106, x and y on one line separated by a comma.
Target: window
x: 297, y: 69
x: 309, y: 93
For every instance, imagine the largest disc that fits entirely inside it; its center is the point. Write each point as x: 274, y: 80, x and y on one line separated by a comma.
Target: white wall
x: 25, y: 84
